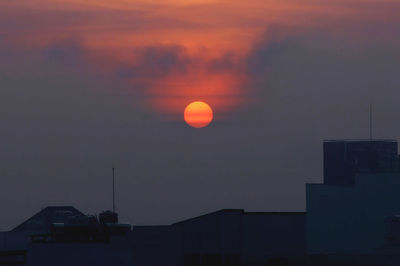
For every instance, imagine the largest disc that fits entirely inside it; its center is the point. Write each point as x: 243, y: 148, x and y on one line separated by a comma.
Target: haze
x: 90, y: 85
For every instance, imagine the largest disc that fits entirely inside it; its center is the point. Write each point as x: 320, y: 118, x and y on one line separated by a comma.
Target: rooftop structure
x: 343, y: 159
x: 42, y: 221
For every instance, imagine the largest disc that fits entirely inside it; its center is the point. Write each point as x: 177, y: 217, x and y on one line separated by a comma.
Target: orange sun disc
x: 198, y: 114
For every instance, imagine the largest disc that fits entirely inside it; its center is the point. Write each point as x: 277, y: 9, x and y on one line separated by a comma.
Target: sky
x: 89, y: 85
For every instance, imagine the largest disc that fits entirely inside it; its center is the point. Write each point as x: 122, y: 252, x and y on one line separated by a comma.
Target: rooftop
x: 42, y: 220
x: 240, y: 211
x: 360, y: 140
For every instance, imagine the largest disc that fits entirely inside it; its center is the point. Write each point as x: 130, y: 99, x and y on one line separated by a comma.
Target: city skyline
x: 352, y: 217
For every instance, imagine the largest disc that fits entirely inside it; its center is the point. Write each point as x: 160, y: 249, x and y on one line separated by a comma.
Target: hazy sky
x: 87, y: 85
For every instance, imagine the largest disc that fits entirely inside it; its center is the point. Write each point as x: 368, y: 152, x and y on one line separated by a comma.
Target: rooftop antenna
x: 113, y: 187
x: 370, y: 122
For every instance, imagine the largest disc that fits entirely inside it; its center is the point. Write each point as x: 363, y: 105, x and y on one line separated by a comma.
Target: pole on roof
x: 113, y: 188
x: 370, y: 122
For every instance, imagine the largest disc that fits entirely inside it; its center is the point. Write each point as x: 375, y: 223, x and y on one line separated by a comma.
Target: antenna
x: 370, y: 122
x: 113, y: 188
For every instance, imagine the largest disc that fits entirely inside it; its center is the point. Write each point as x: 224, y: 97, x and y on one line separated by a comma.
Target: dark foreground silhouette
x: 351, y: 219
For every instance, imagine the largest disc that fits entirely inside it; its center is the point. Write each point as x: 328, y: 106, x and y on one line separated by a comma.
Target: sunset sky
x: 87, y: 85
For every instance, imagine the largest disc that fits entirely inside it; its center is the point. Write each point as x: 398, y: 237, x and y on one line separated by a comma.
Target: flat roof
x: 360, y: 140
x: 241, y: 211
x: 277, y: 213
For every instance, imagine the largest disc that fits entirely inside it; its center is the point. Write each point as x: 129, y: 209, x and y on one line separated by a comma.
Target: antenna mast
x: 113, y: 188
x: 370, y: 122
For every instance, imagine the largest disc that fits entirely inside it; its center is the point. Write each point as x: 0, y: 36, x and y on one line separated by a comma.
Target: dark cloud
x: 225, y: 63
x: 156, y: 62
x: 68, y: 52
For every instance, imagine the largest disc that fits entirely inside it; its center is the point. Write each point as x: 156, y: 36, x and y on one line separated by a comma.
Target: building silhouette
x: 352, y: 218
x: 236, y: 237
x: 230, y: 237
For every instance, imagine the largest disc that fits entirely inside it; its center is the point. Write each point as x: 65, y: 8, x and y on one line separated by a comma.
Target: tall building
x: 352, y: 218
x: 343, y: 159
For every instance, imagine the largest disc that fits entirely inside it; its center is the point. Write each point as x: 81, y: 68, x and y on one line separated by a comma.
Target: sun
x: 198, y: 114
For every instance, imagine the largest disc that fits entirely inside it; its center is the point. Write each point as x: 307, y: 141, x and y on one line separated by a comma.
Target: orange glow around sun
x: 170, y: 52
x: 198, y: 114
